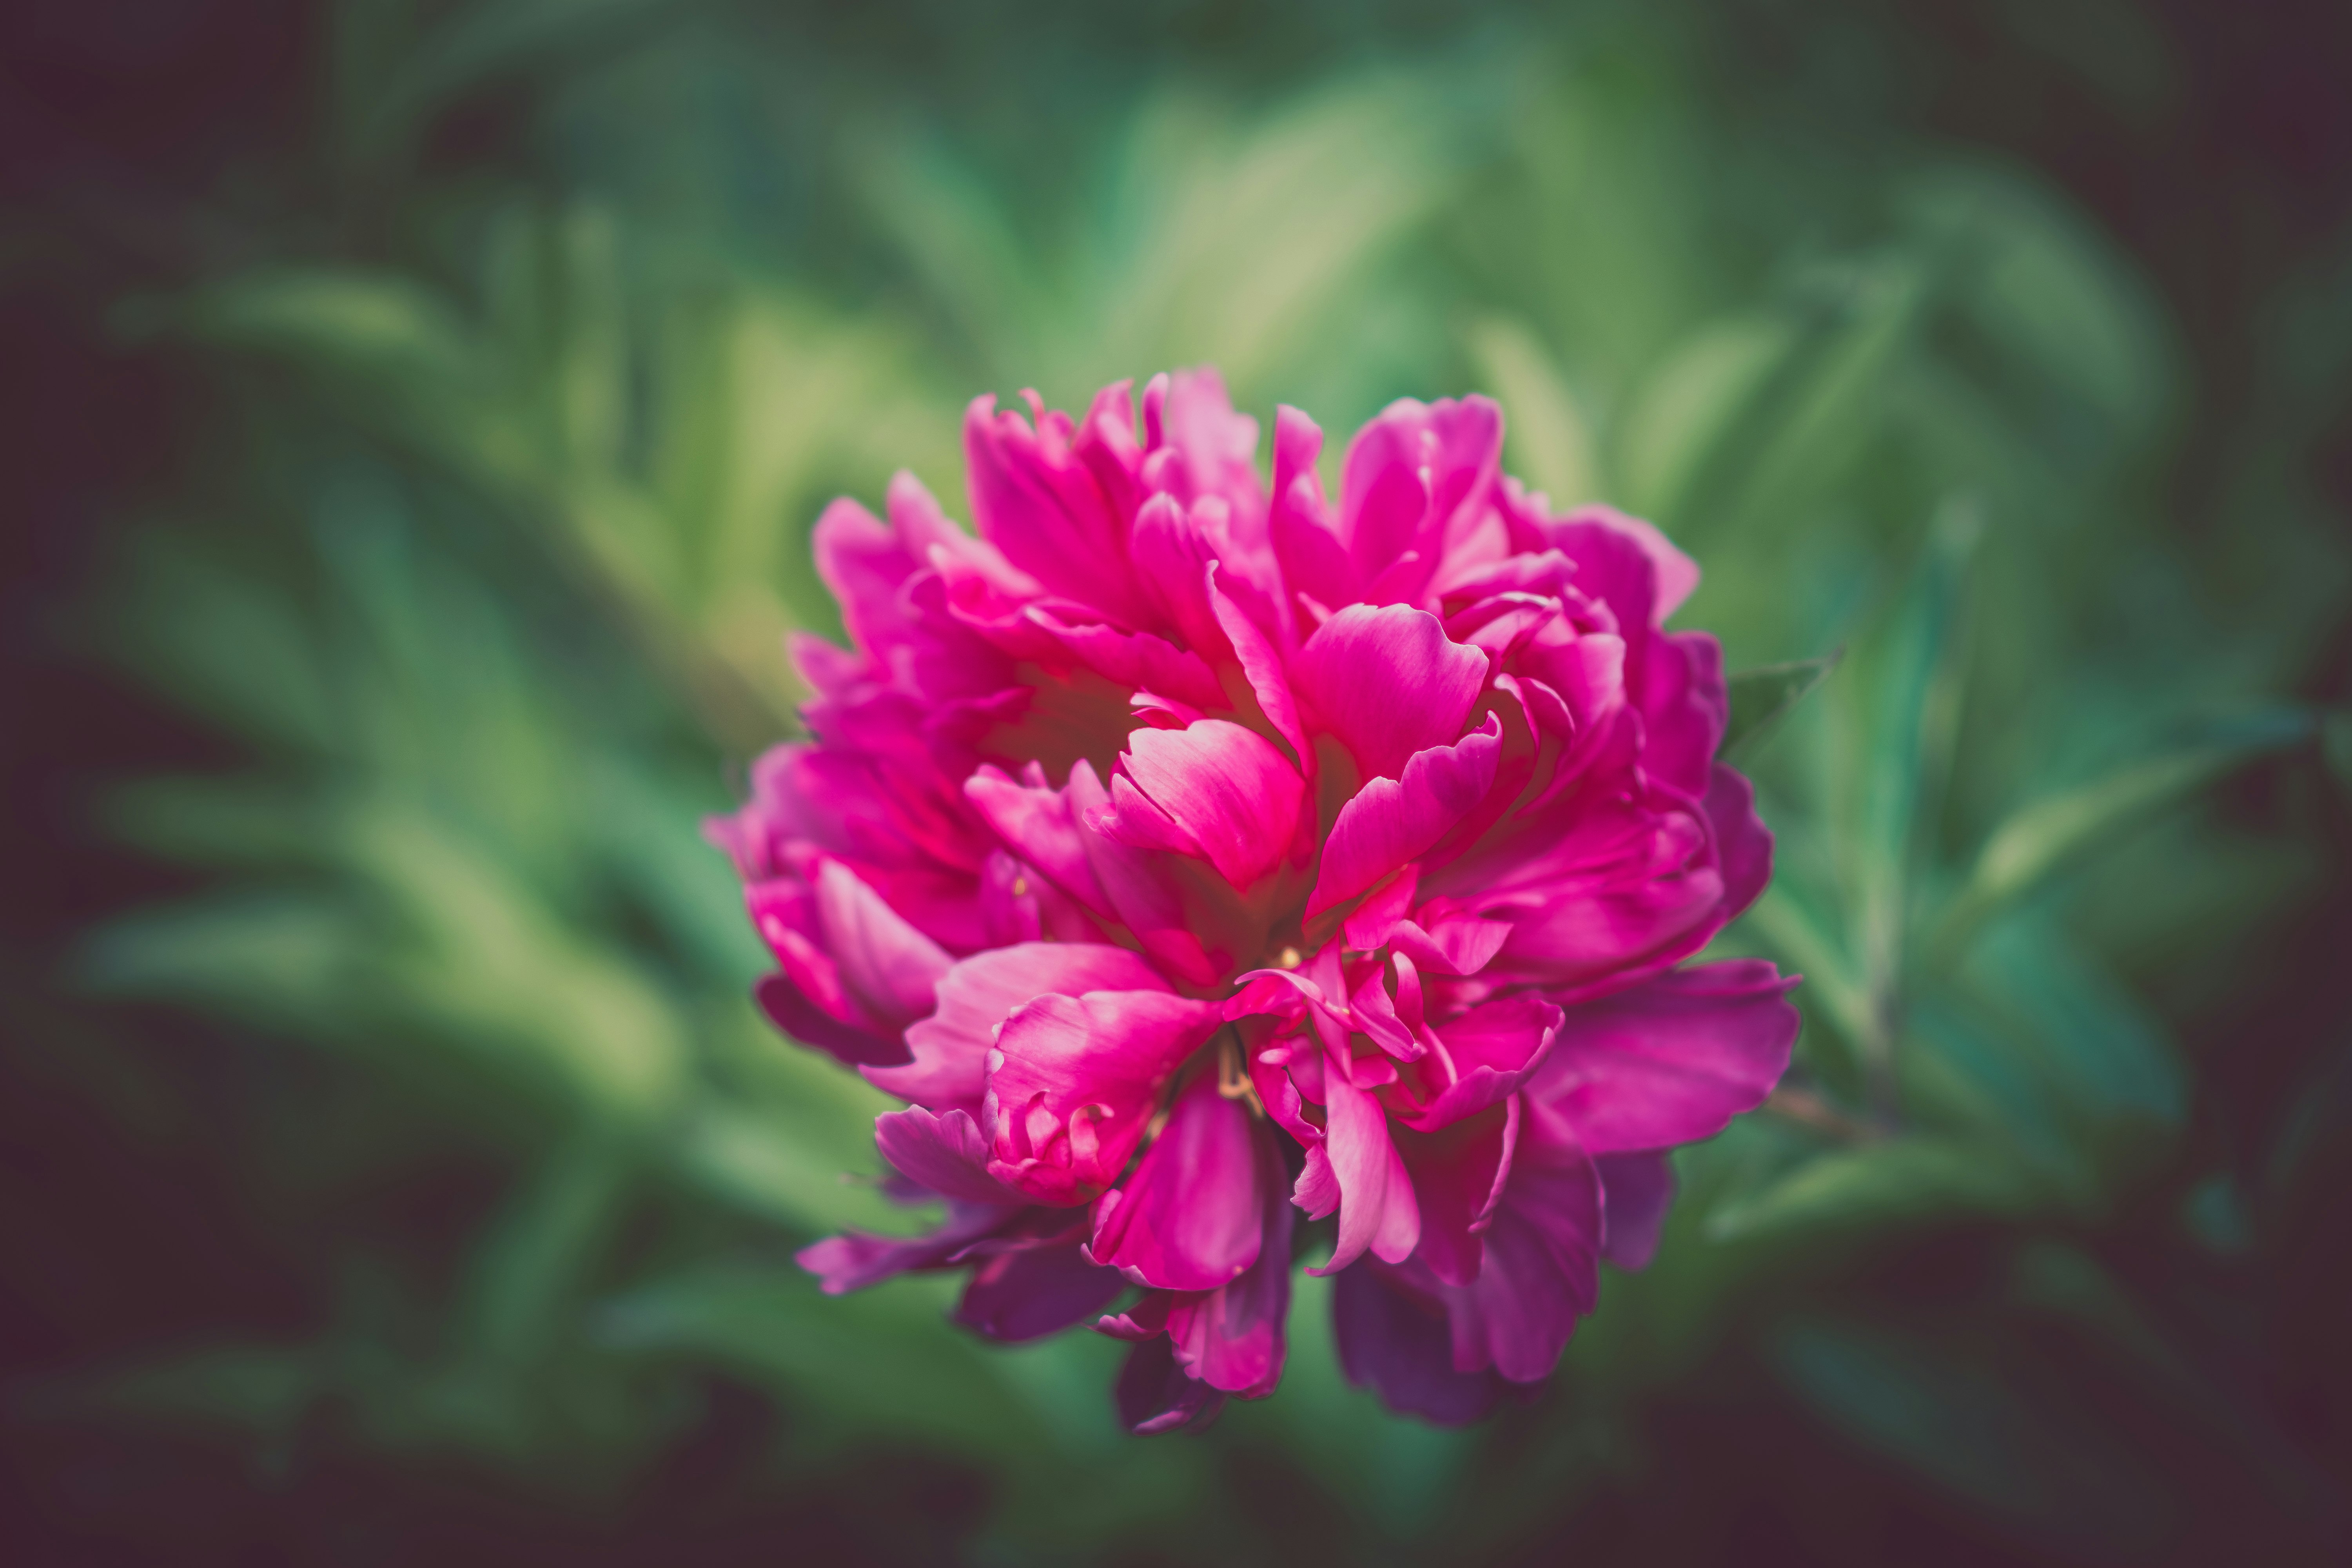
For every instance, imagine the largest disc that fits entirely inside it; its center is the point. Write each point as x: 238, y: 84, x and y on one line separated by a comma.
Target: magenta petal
x: 1627, y: 564
x: 853, y: 1261
x: 1232, y: 1338
x: 1028, y: 1292
x: 1673, y: 574
x: 1458, y: 1176
x: 1227, y: 787
x: 1494, y: 1048
x: 1542, y: 1270
x: 1684, y: 705
x: 945, y: 1154
x: 887, y: 966
x: 1459, y: 943
x: 1261, y: 666
x: 1387, y: 682
x: 1075, y: 1080
x: 951, y: 1047
x: 1156, y: 1394
x: 1392, y: 821
x: 1037, y: 822
x: 1397, y: 1341
x: 1636, y: 1191
x: 1035, y: 498
x: 788, y: 1008
x: 1190, y: 1215
x: 1673, y: 1060
x: 1377, y: 1210
x: 865, y: 565
x: 1743, y: 844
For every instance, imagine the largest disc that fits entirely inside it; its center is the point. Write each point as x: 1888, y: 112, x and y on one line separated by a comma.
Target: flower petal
x: 1540, y: 1271
x: 1025, y: 1293
x: 1377, y: 1210
x: 1233, y: 1338
x: 1458, y: 1175
x: 853, y: 1261
x: 1393, y: 821
x: 1397, y: 1341
x: 1226, y: 787
x: 945, y: 1154
x: 951, y: 1047
x: 788, y: 1008
x: 888, y: 968
x: 1074, y: 1079
x: 1189, y: 1216
x: 1636, y: 1191
x: 1673, y: 1060
x: 1387, y: 682
x: 1156, y: 1394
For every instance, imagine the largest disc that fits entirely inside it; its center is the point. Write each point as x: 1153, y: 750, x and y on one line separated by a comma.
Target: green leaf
x: 530, y: 1263
x: 2335, y: 742
x: 1904, y: 1179
x: 1764, y: 695
x: 1979, y: 1422
x: 2042, y: 840
x: 1907, y: 685
x: 1551, y: 441
x: 1692, y: 407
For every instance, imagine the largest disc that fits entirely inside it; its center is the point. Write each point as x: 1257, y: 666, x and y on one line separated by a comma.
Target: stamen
x: 1233, y: 1072
x: 1288, y: 958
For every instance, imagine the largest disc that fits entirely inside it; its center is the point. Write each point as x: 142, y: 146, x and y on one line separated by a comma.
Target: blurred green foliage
x: 478, y: 572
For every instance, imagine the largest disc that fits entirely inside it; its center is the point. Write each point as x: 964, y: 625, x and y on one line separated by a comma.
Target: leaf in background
x: 1548, y: 441
x: 530, y: 1263
x: 2335, y: 739
x: 2009, y: 1438
x: 2040, y: 839
x: 1692, y: 407
x: 1763, y: 696
x: 1908, y: 1179
x: 2098, y: 1043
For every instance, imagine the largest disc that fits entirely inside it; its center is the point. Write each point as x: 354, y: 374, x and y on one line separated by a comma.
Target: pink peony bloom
x: 1188, y: 856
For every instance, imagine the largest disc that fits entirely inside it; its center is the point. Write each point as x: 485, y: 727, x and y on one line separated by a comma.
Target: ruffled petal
x: 944, y: 1153
x: 1392, y: 821
x: 1397, y: 1341
x: 1074, y: 1081
x: 1671, y: 1060
x: 1226, y: 788
x: 1026, y: 1293
x: 1387, y: 682
x: 951, y: 1047
x: 1189, y: 1217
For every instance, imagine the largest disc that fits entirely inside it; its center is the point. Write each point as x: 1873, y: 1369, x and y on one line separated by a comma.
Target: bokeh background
x: 416, y: 413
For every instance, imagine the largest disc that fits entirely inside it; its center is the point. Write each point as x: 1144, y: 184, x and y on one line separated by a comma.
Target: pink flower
x: 1189, y: 856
